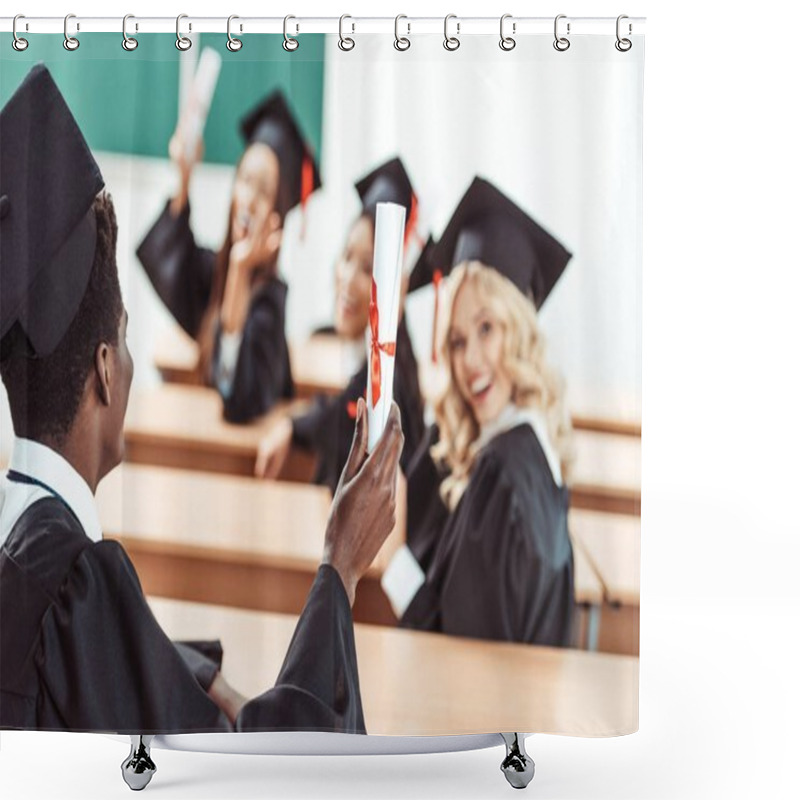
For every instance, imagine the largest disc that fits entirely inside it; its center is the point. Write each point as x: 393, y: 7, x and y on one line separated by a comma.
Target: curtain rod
x: 407, y: 25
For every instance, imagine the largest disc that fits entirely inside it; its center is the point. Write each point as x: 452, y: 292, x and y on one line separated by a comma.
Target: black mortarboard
x: 389, y: 183
x: 273, y: 124
x: 423, y: 271
x: 488, y: 227
x: 48, y: 183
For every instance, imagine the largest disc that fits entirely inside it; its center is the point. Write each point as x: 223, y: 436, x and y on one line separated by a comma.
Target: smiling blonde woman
x: 488, y: 551
x: 506, y: 368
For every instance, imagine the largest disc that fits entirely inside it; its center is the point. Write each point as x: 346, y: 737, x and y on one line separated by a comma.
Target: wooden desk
x: 245, y: 543
x: 226, y: 540
x: 612, y: 545
x: 182, y: 426
x: 607, y: 473
x: 319, y: 365
x: 416, y: 683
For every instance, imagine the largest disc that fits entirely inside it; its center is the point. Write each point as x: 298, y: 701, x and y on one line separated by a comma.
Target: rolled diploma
x: 387, y: 269
x: 200, y: 97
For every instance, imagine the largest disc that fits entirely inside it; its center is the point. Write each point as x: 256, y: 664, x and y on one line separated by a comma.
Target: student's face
x: 354, y: 281
x: 122, y: 362
x: 255, y: 190
x: 475, y: 342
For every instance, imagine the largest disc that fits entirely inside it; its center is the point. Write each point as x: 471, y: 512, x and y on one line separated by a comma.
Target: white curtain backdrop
x: 558, y: 132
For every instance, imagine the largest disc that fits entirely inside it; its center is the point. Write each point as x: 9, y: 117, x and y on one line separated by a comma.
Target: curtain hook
x: 19, y: 44
x: 507, y: 42
x: 561, y: 43
x: 70, y: 42
x: 623, y: 45
x: 128, y: 42
x: 290, y: 44
x: 346, y: 43
x: 451, y: 42
x: 233, y: 44
x: 181, y: 42
x: 401, y: 43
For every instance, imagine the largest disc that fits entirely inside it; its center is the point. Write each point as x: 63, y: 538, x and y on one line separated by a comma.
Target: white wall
x: 560, y: 135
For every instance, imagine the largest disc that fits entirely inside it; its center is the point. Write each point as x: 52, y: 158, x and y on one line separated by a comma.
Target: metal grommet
x: 623, y: 45
x: 233, y: 44
x: 128, y: 42
x: 561, y: 43
x: 290, y: 44
x: 451, y: 42
x: 507, y: 42
x: 401, y: 43
x: 181, y: 42
x: 19, y: 44
x: 345, y: 42
x: 70, y: 42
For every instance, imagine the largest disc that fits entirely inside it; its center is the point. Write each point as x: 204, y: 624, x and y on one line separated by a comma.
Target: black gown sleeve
x: 408, y: 397
x: 426, y: 511
x: 311, y: 429
x: 204, y: 660
x: 503, y: 565
x: 180, y: 271
x: 327, y: 429
x: 106, y: 664
x: 317, y: 687
x: 262, y: 375
x: 85, y: 653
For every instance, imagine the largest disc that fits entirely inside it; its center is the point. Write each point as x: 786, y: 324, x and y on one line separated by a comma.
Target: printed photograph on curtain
x: 377, y: 467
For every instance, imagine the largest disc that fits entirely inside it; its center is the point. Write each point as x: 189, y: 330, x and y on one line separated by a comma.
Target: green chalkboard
x: 259, y: 67
x: 127, y: 102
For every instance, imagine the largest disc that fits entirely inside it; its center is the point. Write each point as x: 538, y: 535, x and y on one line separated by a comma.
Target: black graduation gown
x: 80, y: 649
x: 180, y: 271
x: 263, y: 374
x: 500, y: 566
x: 327, y: 428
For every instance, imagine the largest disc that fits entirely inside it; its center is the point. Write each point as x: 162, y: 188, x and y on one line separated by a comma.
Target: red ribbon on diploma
x: 376, y: 346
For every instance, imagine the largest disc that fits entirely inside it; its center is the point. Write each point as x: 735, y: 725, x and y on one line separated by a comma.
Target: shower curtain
x: 528, y: 580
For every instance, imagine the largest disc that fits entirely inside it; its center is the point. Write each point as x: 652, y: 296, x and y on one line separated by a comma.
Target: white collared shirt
x: 43, y: 464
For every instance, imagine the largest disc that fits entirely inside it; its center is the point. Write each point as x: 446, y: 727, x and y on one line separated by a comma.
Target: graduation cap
x: 423, y: 271
x: 48, y: 183
x: 273, y: 124
x: 389, y: 183
x: 488, y: 227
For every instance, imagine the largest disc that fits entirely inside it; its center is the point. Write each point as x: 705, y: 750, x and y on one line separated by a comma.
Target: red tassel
x: 306, y: 188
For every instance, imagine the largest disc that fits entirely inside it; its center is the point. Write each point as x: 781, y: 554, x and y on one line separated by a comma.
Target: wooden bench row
x: 416, y: 684
x: 319, y: 366
x: 257, y: 544
x: 182, y: 426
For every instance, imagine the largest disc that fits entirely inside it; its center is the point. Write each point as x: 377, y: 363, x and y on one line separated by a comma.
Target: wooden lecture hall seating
x: 257, y: 544
x: 544, y: 689
x: 182, y: 426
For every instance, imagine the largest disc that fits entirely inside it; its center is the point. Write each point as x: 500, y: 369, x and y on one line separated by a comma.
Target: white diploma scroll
x: 387, y: 269
x: 195, y: 112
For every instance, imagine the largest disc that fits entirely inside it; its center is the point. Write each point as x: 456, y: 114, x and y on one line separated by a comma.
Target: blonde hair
x: 535, y: 383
